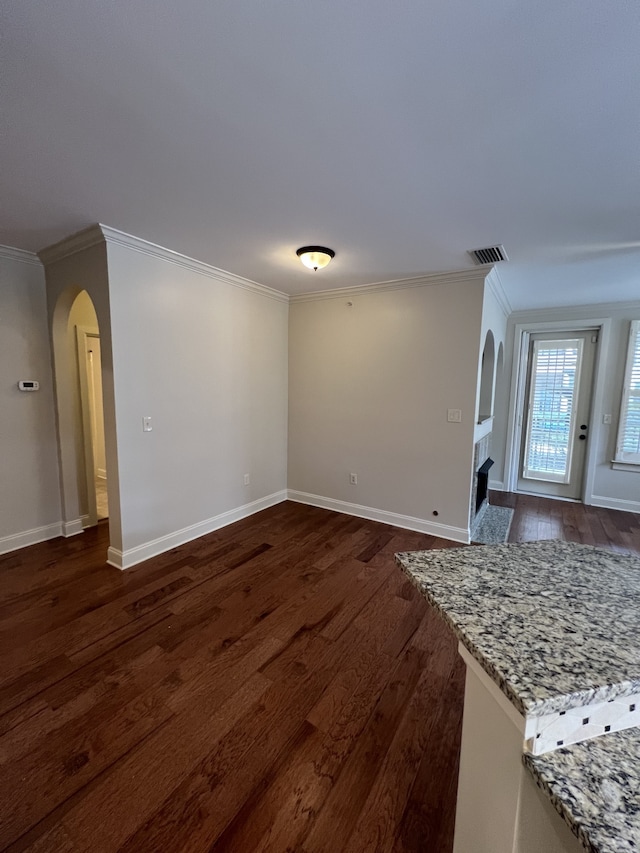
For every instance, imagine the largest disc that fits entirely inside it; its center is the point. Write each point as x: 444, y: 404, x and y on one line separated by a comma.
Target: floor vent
x: 490, y: 255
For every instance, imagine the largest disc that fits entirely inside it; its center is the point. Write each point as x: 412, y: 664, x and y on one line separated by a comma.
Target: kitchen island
x: 550, y: 634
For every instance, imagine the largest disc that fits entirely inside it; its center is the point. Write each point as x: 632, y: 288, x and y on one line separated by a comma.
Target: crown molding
x: 98, y: 233
x: 496, y: 286
x: 137, y: 244
x: 12, y: 254
x: 454, y: 277
x: 78, y: 242
x: 584, y: 311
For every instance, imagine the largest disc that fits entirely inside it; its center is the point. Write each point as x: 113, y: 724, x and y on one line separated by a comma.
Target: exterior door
x: 557, y: 406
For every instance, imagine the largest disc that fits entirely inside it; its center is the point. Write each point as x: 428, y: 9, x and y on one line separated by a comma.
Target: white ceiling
x: 400, y: 134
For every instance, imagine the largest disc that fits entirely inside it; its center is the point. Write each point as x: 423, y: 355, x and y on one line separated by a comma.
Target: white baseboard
x: 408, y: 522
x: 133, y: 556
x: 615, y: 503
x: 496, y: 486
x: 30, y: 537
x: 72, y: 528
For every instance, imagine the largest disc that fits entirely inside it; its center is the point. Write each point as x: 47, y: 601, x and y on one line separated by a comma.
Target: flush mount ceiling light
x: 315, y: 257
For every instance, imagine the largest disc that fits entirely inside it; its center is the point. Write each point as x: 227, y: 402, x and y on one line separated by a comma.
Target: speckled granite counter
x: 595, y: 786
x: 555, y: 624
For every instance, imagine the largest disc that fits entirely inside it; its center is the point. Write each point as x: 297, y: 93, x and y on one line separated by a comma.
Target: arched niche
x: 500, y: 397
x: 487, y: 373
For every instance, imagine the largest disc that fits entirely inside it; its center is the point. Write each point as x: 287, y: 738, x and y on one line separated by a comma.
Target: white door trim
x: 522, y: 334
x: 82, y: 333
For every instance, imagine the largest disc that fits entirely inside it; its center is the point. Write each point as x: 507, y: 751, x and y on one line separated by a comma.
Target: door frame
x: 522, y: 336
x: 82, y: 334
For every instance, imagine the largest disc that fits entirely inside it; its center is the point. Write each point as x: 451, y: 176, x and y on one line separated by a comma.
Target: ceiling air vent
x: 491, y: 255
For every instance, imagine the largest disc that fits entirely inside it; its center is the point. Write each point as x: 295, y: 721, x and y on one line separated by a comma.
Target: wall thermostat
x: 28, y: 385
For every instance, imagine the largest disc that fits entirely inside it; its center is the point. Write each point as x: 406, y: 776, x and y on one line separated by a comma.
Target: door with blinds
x: 557, y: 406
x: 628, y: 444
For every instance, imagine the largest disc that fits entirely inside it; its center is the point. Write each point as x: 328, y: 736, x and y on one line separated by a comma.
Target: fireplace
x: 482, y: 483
x: 480, y: 480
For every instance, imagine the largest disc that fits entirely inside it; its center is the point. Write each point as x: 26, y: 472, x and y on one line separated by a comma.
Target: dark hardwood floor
x: 275, y: 686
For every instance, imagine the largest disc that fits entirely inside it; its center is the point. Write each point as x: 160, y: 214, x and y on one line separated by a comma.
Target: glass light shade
x: 315, y: 257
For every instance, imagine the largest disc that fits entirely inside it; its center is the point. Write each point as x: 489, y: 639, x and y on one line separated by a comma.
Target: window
x: 628, y: 446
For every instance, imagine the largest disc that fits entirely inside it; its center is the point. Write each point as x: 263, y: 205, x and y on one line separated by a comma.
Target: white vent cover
x: 490, y: 255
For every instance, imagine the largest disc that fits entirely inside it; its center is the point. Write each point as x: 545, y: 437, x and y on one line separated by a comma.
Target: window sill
x: 624, y: 466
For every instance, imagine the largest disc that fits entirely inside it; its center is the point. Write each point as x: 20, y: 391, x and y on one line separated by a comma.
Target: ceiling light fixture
x: 315, y: 257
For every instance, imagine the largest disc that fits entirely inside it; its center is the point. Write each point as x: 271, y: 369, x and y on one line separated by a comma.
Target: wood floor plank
x: 275, y: 685
x: 104, y: 820
x: 228, y: 775
x: 366, y: 672
x: 382, y: 812
x: 63, y: 762
x: 275, y: 804
x: 340, y: 810
x: 428, y: 819
x: 42, y: 726
x: 51, y: 640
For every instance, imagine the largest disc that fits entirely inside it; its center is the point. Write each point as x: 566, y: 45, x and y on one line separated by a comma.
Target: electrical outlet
x: 454, y: 416
x: 247, y: 479
x: 606, y: 419
x: 146, y: 425
x: 353, y: 479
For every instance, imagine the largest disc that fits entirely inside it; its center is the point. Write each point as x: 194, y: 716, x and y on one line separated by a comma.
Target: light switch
x: 146, y: 425
x: 606, y: 419
x: 454, y: 416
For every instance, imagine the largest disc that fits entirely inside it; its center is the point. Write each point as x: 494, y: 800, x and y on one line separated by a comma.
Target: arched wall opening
x: 78, y: 304
x: 500, y: 406
x: 84, y: 351
x: 487, y: 376
x: 79, y: 397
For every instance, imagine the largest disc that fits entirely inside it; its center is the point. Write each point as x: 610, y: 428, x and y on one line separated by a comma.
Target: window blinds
x: 628, y: 447
x: 551, y: 427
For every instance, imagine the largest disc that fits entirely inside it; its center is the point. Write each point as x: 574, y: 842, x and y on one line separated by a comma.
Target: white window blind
x: 550, y: 426
x: 628, y: 446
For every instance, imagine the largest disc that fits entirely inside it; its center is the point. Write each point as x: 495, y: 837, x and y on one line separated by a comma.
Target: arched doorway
x: 81, y: 429
x: 84, y: 330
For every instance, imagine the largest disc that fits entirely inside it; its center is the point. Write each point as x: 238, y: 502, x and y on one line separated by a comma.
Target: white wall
x: 613, y: 488
x: 494, y: 320
x: 207, y: 361
x: 369, y: 389
x: 29, y: 492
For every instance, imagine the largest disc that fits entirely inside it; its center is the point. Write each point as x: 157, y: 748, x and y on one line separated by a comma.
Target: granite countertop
x: 555, y: 624
x: 595, y: 786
